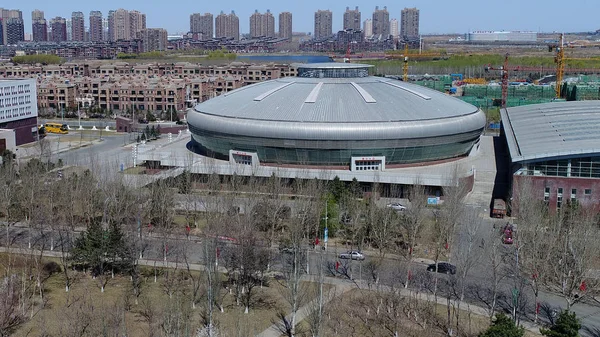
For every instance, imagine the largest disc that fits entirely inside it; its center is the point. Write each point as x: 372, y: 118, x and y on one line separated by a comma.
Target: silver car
x: 396, y: 206
x: 352, y: 254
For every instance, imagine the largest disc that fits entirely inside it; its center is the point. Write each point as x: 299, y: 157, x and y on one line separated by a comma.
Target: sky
x: 437, y: 16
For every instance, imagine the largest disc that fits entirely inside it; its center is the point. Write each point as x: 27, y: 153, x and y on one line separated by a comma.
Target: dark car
x: 443, y: 267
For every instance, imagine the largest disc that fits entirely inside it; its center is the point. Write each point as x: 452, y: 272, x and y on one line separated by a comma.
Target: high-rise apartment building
x: 39, y: 26
x: 69, y: 29
x: 409, y: 24
x: 381, y: 22
x: 352, y: 19
x: 285, y: 25
x: 1, y: 32
x: 202, y: 25
x: 153, y: 39
x: 119, y: 26
x: 96, y: 30
x: 59, y: 29
x: 262, y: 24
x: 227, y: 26
x: 105, y: 32
x: 394, y: 28
x: 77, y: 26
x: 137, y: 22
x: 368, y: 27
x: 323, y: 24
x: 13, y: 29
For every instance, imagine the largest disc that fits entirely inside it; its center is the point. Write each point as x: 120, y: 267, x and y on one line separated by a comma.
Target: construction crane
x: 559, y: 59
x: 504, y: 72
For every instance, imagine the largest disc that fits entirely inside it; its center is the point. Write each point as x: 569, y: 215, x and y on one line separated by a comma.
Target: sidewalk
x: 53, y: 146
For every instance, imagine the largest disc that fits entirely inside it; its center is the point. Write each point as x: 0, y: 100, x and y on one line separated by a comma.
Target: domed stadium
x: 332, y: 114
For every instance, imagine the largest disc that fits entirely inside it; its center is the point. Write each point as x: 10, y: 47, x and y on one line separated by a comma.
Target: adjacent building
x: 59, y: 29
x: 381, y: 22
x: 154, y: 39
x: 352, y: 19
x: 39, y: 26
x: 285, y: 25
x: 554, y: 153
x: 502, y: 36
x: 323, y: 24
x: 201, y: 26
x: 262, y: 25
x: 368, y: 27
x: 77, y: 26
x: 96, y: 29
x: 409, y: 24
x: 18, y: 112
x: 227, y: 26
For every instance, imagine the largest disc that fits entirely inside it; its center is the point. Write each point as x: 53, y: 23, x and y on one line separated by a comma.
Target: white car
x: 397, y: 206
x: 354, y: 255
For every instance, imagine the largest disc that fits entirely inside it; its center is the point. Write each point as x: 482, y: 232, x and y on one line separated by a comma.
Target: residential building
x: 137, y: 22
x: 77, y: 26
x: 59, y: 29
x: 39, y: 26
x: 18, y: 112
x: 227, y: 26
x: 201, y: 25
x: 69, y: 29
x: 154, y: 39
x: 381, y: 22
x: 13, y: 30
x: 368, y: 27
x: 409, y: 24
x: 262, y: 25
x: 119, y: 25
x: 96, y: 30
x: 105, y: 29
x: 394, y: 28
x: 285, y: 25
x: 352, y: 19
x: 323, y: 24
x: 1, y: 32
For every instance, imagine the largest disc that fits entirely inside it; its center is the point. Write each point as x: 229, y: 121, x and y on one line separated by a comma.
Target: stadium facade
x: 335, y: 115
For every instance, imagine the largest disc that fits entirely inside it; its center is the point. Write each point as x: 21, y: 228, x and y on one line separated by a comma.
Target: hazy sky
x: 437, y: 16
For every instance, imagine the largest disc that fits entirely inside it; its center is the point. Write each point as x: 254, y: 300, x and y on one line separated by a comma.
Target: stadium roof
x: 552, y: 131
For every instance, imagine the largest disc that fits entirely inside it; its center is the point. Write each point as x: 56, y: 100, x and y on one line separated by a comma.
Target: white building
x: 501, y: 36
x: 368, y: 27
x: 394, y: 28
x: 18, y: 112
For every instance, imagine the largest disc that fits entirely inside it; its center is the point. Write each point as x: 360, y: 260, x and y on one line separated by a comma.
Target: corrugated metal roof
x: 553, y: 130
x: 338, y: 101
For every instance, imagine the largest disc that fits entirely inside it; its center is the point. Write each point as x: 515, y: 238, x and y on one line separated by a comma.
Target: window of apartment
x: 588, y: 191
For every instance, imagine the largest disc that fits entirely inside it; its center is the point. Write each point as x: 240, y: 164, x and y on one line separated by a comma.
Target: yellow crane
x: 559, y: 59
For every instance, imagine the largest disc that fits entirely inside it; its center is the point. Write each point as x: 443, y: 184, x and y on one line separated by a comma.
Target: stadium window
x: 588, y: 191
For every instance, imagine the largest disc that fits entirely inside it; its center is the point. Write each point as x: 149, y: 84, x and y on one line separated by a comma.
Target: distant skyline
x: 436, y: 16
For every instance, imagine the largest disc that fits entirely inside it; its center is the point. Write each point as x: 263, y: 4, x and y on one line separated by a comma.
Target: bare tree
x: 413, y: 221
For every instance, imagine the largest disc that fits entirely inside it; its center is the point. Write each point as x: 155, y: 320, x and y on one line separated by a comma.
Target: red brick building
x: 555, y: 149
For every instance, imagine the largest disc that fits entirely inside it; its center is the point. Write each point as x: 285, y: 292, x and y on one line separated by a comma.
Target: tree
x: 503, y: 326
x: 153, y: 132
x: 567, y: 325
x: 143, y: 136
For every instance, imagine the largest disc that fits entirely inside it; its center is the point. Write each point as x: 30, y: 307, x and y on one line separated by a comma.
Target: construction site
x: 503, y: 84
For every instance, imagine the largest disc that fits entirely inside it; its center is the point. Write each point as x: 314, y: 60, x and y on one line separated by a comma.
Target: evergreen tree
x: 573, y: 95
x: 143, y: 136
x: 138, y: 139
x: 503, y: 326
x: 153, y: 132
x: 158, y: 131
x: 147, y: 132
x: 567, y: 325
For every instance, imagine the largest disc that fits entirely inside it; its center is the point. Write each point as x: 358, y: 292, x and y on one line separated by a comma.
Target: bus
x: 56, y: 128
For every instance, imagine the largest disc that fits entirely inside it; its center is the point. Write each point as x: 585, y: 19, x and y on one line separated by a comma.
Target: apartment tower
x: 96, y: 30
x: 368, y: 27
x: 154, y: 39
x: 227, y: 26
x: 119, y: 27
x: 137, y: 23
x: 409, y: 24
x: 381, y: 22
x: 352, y: 19
x: 13, y: 28
x: 39, y: 26
x: 262, y: 24
x: 202, y: 25
x: 394, y: 28
x: 77, y: 26
x: 59, y: 29
x: 285, y: 25
x: 323, y: 24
